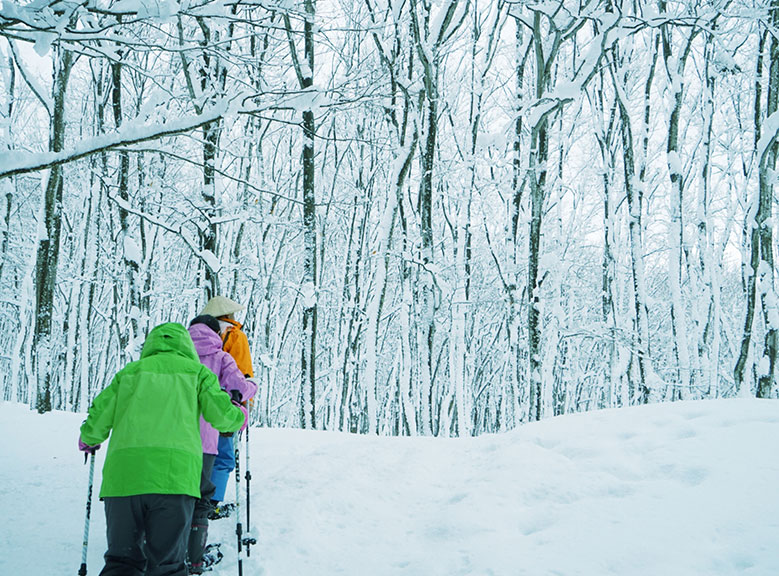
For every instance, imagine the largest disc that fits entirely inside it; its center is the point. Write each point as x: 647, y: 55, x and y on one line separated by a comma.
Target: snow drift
x: 673, y: 489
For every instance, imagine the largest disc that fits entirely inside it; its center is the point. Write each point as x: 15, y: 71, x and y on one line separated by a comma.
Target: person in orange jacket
x: 235, y: 343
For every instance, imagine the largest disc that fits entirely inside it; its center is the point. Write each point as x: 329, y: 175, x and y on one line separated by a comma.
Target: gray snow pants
x: 147, y: 534
x: 198, y: 535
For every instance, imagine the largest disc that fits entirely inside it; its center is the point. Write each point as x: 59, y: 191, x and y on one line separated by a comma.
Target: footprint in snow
x: 457, y: 498
x: 693, y: 476
x: 686, y: 433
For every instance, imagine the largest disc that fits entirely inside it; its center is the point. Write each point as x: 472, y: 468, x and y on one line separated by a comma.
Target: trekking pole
x: 248, y: 476
x: 82, y: 571
x: 238, y: 527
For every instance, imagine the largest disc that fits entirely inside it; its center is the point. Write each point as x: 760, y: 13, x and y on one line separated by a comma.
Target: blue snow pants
x: 223, y: 465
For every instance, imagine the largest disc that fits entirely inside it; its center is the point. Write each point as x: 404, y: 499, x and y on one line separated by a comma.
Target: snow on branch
x: 208, y: 257
x: 15, y: 162
x: 242, y: 181
x: 36, y: 88
x: 568, y: 90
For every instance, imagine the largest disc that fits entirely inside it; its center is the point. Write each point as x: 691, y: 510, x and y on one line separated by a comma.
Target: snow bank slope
x: 676, y: 489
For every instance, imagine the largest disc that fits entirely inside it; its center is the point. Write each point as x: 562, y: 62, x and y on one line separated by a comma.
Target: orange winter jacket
x: 236, y: 344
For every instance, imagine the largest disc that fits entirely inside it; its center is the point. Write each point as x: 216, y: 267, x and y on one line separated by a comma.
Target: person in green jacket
x: 151, y: 475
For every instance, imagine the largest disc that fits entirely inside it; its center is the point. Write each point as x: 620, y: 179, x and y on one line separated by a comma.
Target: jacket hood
x: 171, y: 338
x: 225, y: 323
x: 206, y: 341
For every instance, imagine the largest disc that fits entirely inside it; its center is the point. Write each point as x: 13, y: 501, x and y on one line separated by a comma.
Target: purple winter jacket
x: 208, y: 345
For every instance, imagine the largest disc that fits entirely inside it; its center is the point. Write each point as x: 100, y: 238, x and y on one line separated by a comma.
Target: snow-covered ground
x: 674, y: 489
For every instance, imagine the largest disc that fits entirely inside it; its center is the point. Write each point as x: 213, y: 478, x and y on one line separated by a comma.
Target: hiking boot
x: 211, y: 556
x: 197, y: 569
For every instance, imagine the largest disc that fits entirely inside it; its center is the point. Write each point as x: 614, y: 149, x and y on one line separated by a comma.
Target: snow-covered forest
x: 444, y: 217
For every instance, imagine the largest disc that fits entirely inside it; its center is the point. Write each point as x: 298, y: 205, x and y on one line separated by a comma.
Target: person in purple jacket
x: 204, y: 331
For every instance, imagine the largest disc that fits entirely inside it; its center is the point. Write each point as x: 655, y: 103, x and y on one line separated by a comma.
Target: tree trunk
x: 539, y: 156
x: 759, y: 281
x: 208, y: 233
x: 211, y: 76
x: 308, y: 356
x: 605, y: 137
x: 47, y: 256
x: 7, y: 135
x: 428, y: 42
x: 675, y: 71
x: 768, y: 153
x: 129, y: 247
x: 637, y: 234
x: 709, y: 337
x: 515, y: 359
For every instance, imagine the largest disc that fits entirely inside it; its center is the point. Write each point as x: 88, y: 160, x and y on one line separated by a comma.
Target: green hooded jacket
x: 152, y: 410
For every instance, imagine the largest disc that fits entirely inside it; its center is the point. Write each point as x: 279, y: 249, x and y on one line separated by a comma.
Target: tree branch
x: 14, y: 162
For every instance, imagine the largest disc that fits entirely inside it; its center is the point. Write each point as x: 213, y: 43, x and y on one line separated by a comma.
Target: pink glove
x: 87, y: 448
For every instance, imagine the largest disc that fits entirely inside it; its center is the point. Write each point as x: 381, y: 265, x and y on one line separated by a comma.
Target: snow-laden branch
x: 36, y: 88
x: 39, y: 17
x: 567, y: 91
x: 15, y: 162
x: 242, y: 181
x: 208, y: 257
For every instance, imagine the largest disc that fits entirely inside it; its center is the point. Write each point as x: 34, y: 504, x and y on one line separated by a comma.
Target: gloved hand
x: 87, y: 448
x: 236, y: 397
x: 237, y: 402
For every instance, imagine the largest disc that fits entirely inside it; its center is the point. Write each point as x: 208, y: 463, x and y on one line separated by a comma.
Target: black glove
x: 236, y: 397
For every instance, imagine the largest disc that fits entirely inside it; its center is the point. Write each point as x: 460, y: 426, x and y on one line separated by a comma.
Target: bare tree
x: 305, y: 72
x: 760, y: 278
x: 48, y: 252
x: 550, y: 31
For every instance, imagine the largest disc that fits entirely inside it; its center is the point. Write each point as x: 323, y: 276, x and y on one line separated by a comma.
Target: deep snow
x: 688, y: 488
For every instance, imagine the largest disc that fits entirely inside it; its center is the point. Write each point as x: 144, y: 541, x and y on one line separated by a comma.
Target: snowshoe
x: 223, y: 510
x: 211, y: 557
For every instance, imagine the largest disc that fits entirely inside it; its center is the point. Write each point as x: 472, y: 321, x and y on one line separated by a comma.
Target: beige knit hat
x: 221, y: 306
